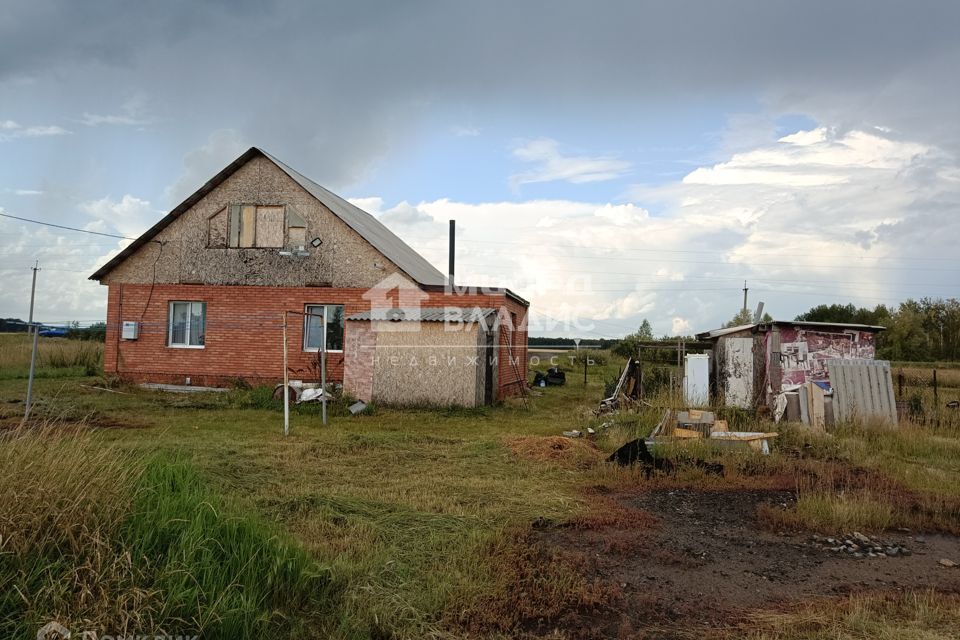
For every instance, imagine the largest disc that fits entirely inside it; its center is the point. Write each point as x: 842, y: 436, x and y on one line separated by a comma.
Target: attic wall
x: 344, y: 259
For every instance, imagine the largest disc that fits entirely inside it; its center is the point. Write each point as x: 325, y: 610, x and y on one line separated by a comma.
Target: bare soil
x: 707, y: 562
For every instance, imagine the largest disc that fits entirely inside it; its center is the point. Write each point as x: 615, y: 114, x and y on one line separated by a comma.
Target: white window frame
x: 170, y: 343
x: 306, y: 321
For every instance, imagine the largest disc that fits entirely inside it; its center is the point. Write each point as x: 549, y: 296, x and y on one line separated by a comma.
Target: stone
x: 859, y: 537
x: 944, y: 562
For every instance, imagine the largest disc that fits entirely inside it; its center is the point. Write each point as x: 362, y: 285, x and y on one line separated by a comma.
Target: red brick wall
x: 244, y: 333
x: 359, y: 345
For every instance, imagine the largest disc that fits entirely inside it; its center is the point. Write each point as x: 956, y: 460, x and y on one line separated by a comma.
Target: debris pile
x: 858, y: 545
x: 554, y: 377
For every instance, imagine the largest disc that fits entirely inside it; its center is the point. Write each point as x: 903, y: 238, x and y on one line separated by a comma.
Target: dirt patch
x: 708, y: 562
x: 568, y: 453
x: 95, y: 421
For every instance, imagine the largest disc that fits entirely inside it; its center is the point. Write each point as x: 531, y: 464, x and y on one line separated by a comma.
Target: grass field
x: 193, y: 513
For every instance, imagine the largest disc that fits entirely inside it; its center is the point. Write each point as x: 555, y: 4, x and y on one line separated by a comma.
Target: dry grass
x: 56, y: 357
x: 924, y: 615
x: 424, y: 517
x: 536, y: 587
x: 568, y: 453
x: 64, y: 497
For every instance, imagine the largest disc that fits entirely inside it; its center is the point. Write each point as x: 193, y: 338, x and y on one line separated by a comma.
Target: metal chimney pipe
x: 453, y: 242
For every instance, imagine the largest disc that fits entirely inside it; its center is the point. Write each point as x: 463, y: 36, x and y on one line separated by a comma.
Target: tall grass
x: 56, y: 357
x: 104, y: 540
x: 221, y: 574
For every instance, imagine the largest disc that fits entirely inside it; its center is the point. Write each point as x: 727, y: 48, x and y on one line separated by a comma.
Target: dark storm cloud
x: 355, y: 77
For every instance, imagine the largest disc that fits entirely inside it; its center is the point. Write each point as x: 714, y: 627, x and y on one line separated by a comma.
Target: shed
x: 753, y: 362
x: 445, y: 355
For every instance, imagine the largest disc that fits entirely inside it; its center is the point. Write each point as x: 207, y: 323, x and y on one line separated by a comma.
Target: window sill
x: 317, y: 350
x: 186, y: 346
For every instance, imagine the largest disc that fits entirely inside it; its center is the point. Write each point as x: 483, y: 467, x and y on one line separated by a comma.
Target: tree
x: 627, y: 347
x: 645, y: 332
x: 744, y: 316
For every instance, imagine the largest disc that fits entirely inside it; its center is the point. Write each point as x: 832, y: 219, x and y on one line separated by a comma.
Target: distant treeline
x: 592, y: 343
x: 96, y: 331
x: 925, y: 330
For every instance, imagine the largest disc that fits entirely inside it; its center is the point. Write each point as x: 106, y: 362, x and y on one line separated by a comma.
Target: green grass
x: 106, y: 540
x: 398, y: 523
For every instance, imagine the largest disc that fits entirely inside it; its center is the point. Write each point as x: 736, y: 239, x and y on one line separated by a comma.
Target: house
x: 753, y: 363
x: 202, y: 296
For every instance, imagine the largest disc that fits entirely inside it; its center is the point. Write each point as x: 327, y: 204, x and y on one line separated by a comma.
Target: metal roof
x: 841, y: 325
x: 369, y: 228
x: 764, y: 326
x: 717, y: 333
x: 426, y: 314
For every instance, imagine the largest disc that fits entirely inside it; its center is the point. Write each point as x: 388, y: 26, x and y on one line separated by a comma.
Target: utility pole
x: 33, y: 290
x: 745, y: 295
x: 36, y: 336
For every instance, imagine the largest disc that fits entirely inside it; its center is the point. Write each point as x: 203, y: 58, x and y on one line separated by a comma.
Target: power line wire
x: 60, y: 226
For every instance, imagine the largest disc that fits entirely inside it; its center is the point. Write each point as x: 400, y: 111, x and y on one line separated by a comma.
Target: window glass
x: 314, y: 323
x: 320, y: 320
x: 187, y: 324
x: 197, y: 323
x: 178, y: 320
x: 335, y: 328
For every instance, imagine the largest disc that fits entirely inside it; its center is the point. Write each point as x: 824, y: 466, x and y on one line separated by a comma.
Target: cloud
x: 132, y: 114
x: 680, y: 327
x: 27, y: 192
x: 465, y: 132
x: 10, y: 129
x: 95, y: 120
x: 551, y: 164
x: 221, y: 148
x: 130, y: 216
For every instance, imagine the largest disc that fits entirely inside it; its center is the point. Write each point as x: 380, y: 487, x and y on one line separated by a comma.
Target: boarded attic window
x: 256, y: 226
x: 296, y: 228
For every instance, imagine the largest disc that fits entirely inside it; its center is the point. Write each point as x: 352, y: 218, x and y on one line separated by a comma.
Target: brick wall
x: 244, y: 333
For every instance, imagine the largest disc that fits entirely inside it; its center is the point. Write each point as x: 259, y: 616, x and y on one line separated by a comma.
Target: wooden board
x: 815, y: 410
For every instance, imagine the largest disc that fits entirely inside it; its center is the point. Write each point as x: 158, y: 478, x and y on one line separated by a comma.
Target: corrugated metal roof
x: 841, y: 325
x: 764, y: 326
x: 717, y: 333
x: 426, y: 314
x: 369, y: 228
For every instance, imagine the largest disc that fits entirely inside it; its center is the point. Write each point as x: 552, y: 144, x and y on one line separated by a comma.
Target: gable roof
x: 369, y: 228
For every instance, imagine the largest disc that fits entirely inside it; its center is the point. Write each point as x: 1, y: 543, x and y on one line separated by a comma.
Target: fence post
x: 936, y: 398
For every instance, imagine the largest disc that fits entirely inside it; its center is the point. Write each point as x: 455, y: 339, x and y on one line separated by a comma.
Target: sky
x: 609, y: 161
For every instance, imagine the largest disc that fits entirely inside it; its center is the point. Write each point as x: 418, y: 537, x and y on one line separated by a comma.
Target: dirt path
x: 709, y: 561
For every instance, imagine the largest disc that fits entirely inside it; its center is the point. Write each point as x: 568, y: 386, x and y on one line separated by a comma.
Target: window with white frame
x: 188, y: 324
x: 323, y: 324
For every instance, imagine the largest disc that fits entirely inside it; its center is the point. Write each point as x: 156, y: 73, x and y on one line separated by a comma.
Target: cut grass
x: 420, y: 515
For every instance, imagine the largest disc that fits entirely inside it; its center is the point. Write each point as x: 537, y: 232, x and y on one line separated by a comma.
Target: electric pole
x: 36, y: 336
x: 33, y: 290
x: 745, y: 295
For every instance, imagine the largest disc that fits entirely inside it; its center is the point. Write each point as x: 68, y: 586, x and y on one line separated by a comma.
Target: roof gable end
x: 364, y: 224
